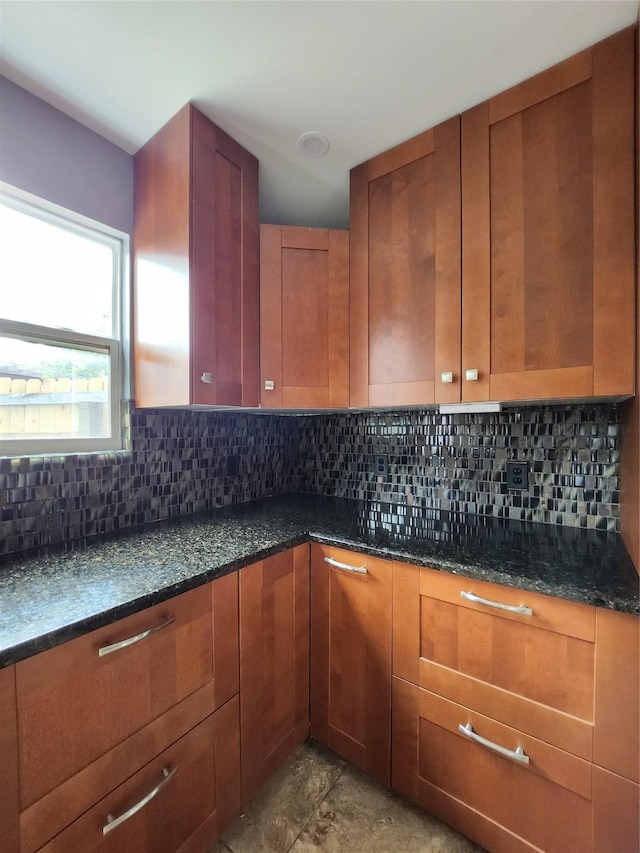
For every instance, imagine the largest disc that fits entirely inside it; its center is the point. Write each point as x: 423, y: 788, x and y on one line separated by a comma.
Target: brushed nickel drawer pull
x: 112, y: 822
x: 510, y: 608
x: 361, y: 570
x: 130, y: 641
x: 517, y: 754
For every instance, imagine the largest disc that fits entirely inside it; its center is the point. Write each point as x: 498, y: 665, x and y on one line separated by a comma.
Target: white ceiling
x: 366, y: 74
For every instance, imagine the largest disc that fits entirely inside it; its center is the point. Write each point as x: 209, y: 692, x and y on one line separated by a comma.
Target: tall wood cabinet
x: 274, y: 663
x: 196, y: 267
x: 304, y: 317
x: 351, y: 657
x: 493, y: 259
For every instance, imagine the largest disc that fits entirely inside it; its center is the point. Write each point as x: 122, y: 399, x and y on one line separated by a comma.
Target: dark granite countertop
x: 53, y: 596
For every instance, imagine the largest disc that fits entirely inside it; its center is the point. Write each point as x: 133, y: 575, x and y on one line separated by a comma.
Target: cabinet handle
x: 112, y: 822
x: 471, y: 375
x: 510, y: 608
x: 517, y: 754
x: 361, y: 570
x: 446, y: 377
x: 115, y: 647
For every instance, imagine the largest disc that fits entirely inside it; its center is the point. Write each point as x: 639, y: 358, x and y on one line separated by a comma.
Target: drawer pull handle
x: 361, y: 570
x: 517, y: 754
x: 113, y: 822
x: 130, y: 641
x: 510, y: 608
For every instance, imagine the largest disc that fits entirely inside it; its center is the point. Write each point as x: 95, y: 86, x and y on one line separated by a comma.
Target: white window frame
x: 116, y: 347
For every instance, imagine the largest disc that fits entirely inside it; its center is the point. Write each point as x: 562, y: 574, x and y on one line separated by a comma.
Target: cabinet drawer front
x: 514, y: 667
x: 162, y: 805
x: 496, y: 800
x: 75, y: 705
x: 551, y: 614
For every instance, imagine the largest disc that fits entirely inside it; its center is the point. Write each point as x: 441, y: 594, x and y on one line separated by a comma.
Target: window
x: 62, y: 280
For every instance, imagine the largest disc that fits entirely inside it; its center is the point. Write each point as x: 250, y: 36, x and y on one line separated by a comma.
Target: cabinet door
x: 548, y: 232
x: 304, y: 317
x: 616, y: 738
x: 9, y: 801
x: 224, y: 268
x: 181, y: 801
x: 405, y: 272
x: 351, y: 657
x: 274, y: 663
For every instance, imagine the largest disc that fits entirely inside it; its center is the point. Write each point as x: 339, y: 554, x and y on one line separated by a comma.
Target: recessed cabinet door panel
x: 351, y: 657
x: 548, y: 233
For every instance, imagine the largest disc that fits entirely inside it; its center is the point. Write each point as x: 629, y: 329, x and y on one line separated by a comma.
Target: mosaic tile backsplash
x: 186, y: 462
x: 457, y: 462
x: 179, y: 463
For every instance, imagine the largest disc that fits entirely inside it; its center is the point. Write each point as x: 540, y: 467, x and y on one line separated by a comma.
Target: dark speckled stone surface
x: 53, y: 596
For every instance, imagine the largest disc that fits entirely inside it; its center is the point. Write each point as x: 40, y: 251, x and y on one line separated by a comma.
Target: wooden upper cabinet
x: 548, y: 232
x: 405, y: 272
x: 196, y: 275
x: 304, y: 317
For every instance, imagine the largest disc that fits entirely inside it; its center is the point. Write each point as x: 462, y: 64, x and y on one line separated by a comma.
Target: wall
x: 181, y: 462
x: 184, y: 462
x: 46, y: 153
x: 457, y: 462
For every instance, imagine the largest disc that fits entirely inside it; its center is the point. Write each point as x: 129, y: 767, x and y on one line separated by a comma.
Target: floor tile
x: 282, y: 809
x: 359, y: 816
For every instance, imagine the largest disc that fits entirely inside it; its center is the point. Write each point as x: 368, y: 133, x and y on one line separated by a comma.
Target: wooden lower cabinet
x: 351, y: 656
x: 555, y: 678
x: 186, y: 796
x: 274, y: 663
x: 96, y: 715
x: 9, y: 800
x: 498, y: 802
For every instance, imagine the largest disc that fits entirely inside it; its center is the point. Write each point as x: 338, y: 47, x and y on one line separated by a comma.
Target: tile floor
x: 317, y: 801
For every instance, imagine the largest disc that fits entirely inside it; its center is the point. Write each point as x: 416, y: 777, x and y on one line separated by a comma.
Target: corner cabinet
x: 351, y: 657
x: 196, y: 267
x: 493, y: 257
x: 274, y: 663
x: 304, y: 317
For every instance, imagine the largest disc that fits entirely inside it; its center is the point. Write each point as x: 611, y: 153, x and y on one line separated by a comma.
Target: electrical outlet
x: 518, y: 476
x: 381, y: 466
